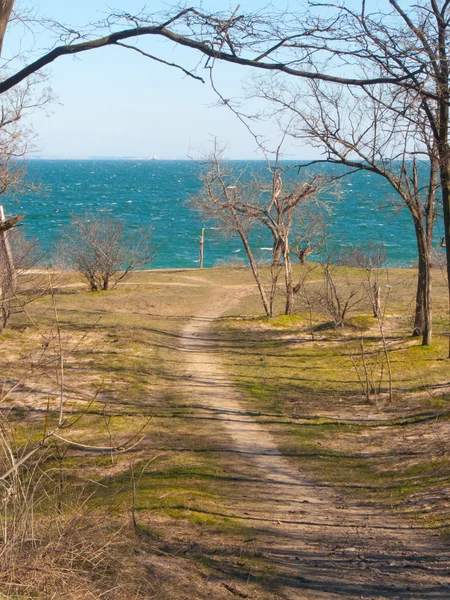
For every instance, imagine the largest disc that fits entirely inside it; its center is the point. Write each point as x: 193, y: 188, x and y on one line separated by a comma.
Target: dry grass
x: 121, y: 350
x: 79, y: 556
x: 299, y: 377
x: 72, y: 533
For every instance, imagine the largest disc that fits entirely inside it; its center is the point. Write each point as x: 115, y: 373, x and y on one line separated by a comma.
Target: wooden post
x: 8, y: 267
x: 202, y: 244
x: 377, y: 301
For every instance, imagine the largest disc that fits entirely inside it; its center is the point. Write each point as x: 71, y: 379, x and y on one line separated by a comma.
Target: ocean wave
x: 158, y: 192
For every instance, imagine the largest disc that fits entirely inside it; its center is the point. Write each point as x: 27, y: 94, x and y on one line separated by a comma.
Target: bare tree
x: 103, y: 251
x: 408, y: 42
x: 402, y: 48
x: 15, y: 142
x: 336, y: 298
x: 20, y: 284
x: 285, y: 211
x: 311, y: 233
x: 366, y: 131
x: 8, y: 273
x: 240, y: 204
x: 220, y: 200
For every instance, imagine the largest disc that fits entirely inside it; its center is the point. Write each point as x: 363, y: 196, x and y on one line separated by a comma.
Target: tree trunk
x: 8, y: 276
x: 289, y: 281
x: 423, y: 324
x: 427, y: 305
x: 302, y: 254
x: 248, y: 250
x: 445, y: 182
x: 268, y: 309
x: 419, y: 315
x: 6, y: 7
x: 423, y: 315
x: 445, y: 185
x: 443, y: 147
x: 278, y: 250
x: 376, y: 293
x: 274, y: 274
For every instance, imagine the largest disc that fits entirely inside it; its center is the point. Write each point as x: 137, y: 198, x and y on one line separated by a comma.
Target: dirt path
x: 315, y: 543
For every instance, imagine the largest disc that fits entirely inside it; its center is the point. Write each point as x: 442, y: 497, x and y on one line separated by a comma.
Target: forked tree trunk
x: 275, y: 269
x: 274, y: 274
x: 267, y: 307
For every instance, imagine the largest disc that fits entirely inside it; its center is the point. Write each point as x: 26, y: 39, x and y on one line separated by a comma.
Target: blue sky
x: 114, y: 102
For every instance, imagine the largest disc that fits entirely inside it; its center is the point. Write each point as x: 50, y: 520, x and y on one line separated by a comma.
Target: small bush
x: 103, y: 251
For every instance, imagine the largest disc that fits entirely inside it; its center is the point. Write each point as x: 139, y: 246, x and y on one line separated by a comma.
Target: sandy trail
x: 318, y: 544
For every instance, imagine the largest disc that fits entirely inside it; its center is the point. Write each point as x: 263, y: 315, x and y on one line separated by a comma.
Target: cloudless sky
x: 114, y: 102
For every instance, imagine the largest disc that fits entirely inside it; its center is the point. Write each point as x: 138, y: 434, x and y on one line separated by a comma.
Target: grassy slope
x: 120, y: 349
x: 393, y: 455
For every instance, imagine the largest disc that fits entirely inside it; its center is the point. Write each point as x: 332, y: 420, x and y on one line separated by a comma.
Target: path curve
x: 323, y: 546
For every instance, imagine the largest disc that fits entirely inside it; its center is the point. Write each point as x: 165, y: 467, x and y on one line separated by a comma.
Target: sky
x: 113, y: 102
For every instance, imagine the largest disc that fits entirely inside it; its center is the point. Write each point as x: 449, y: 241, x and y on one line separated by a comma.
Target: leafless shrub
x: 231, y: 263
x: 371, y: 361
x: 369, y: 256
x: 53, y: 544
x: 103, y: 251
x: 77, y: 555
x: 337, y: 298
x: 21, y: 282
x: 372, y: 364
x: 306, y: 293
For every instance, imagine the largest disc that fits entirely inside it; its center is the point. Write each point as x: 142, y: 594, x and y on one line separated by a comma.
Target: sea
x: 155, y: 194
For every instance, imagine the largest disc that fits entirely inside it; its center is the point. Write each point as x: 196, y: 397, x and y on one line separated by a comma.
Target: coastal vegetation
x: 103, y: 250
x: 159, y: 437
x: 135, y: 493
x: 376, y: 136
x: 385, y: 103
x: 239, y: 203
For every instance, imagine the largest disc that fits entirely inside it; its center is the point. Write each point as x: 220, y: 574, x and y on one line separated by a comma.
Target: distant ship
x: 154, y: 158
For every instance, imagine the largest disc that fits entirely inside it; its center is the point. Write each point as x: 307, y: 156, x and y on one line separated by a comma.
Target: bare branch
x: 164, y: 62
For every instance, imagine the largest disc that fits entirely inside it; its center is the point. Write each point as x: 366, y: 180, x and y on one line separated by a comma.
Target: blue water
x: 154, y: 194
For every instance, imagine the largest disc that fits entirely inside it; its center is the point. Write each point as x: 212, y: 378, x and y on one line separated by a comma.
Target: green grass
x: 307, y: 392
x: 361, y: 322
x: 127, y: 357
x: 123, y: 346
